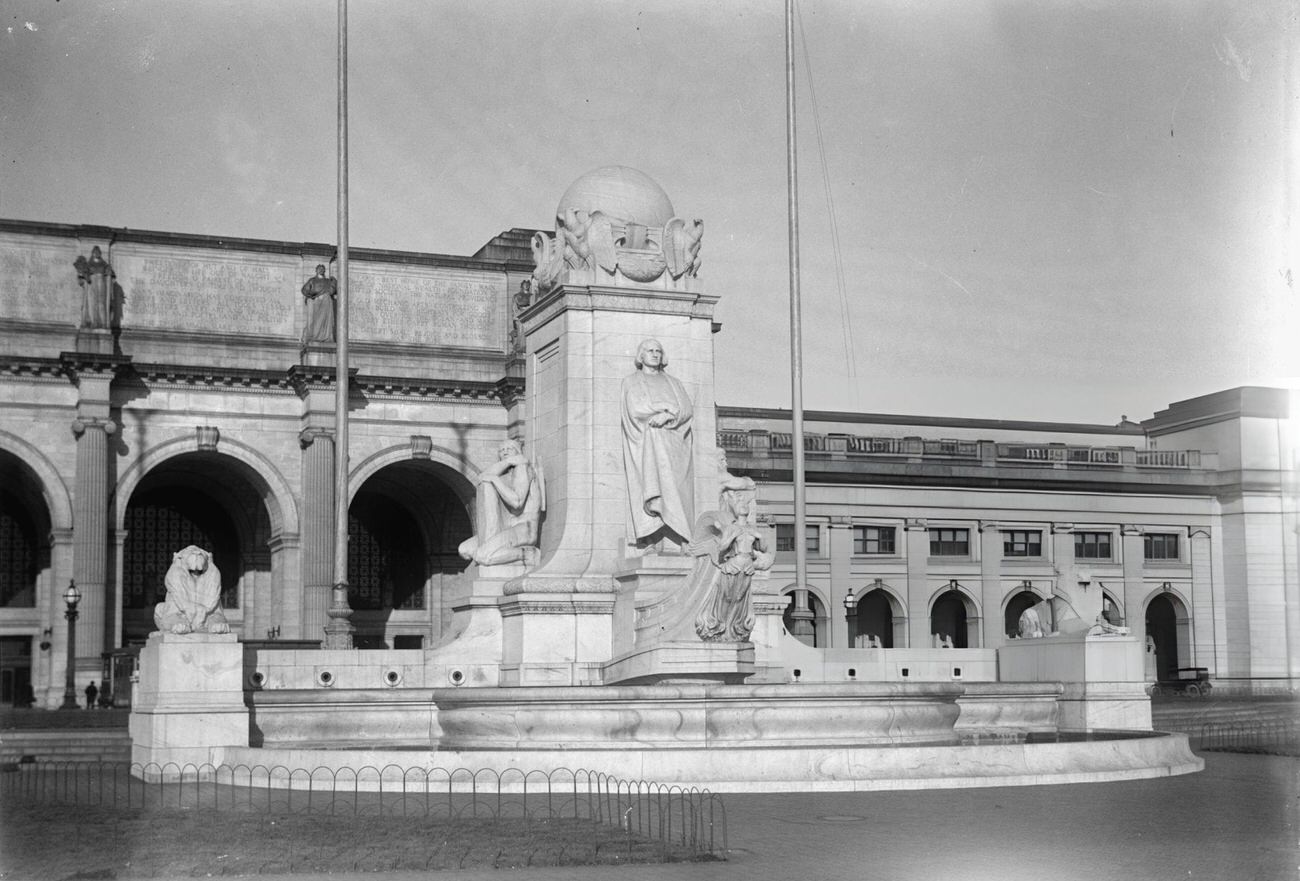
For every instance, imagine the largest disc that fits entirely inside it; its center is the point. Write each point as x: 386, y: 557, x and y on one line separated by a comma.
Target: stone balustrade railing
x: 762, y: 443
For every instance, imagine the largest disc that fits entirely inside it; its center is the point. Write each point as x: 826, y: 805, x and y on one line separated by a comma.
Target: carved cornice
x: 304, y: 379
x: 510, y: 390
x: 422, y: 387
x: 78, y: 365
x: 41, y: 369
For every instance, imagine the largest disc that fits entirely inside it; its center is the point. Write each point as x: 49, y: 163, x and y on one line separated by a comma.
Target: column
x: 90, y: 542
x: 993, y: 634
x: 1202, y: 611
x: 841, y: 548
x: 1134, y: 615
x: 918, y: 593
x: 317, y: 531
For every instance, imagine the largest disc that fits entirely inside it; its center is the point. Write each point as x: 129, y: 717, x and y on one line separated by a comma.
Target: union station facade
x: 203, y: 414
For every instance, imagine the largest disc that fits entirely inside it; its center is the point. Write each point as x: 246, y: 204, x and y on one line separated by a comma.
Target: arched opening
x: 1016, y: 606
x: 950, y: 616
x: 405, y: 524
x: 1110, y: 610
x: 806, y: 625
x: 24, y: 569
x: 201, y: 499
x: 1166, y: 623
x: 876, y: 617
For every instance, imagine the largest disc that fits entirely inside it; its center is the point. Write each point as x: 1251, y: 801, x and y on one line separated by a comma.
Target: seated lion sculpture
x: 193, y: 602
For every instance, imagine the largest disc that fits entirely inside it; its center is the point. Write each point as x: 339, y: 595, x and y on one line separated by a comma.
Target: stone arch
x: 1113, y: 604
x: 880, y: 610
x: 407, y: 516
x: 230, y: 499
x: 455, y: 470
x: 955, y: 610
x: 279, y: 498
x: 1014, y: 604
x: 1167, y: 620
x: 798, y: 626
x: 57, y: 498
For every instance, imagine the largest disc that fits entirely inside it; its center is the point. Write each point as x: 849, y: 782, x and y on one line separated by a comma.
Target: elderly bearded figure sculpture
x: 657, y: 415
x: 319, y: 292
x: 729, y: 550
x: 511, y: 498
x: 193, y: 602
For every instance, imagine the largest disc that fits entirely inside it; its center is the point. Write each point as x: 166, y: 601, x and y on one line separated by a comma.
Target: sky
x: 1063, y: 211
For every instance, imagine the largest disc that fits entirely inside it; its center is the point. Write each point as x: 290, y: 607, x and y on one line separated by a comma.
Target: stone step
x: 1189, y: 715
x: 83, y: 745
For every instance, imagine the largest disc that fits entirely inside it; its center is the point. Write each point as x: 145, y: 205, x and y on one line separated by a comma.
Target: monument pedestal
x: 94, y: 341
x: 1103, y: 678
x: 189, y: 699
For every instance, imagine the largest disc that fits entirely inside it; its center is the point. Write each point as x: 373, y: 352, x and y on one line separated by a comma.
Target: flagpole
x: 338, y: 631
x: 796, y: 330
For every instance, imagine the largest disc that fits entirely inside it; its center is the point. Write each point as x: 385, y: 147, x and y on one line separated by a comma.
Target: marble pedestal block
x: 1103, y: 678
x: 656, y: 607
x: 471, y: 651
x: 189, y: 698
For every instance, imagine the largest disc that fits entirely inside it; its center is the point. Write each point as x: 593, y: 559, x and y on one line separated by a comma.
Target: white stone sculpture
x: 729, y: 549
x: 1031, y: 626
x: 511, y: 499
x: 615, y: 225
x: 657, y: 456
x: 1102, y: 627
x: 942, y: 641
x: 94, y: 276
x: 193, y: 601
x: 873, y: 642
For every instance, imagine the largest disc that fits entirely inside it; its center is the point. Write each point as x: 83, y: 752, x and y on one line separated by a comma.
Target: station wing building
x: 160, y: 390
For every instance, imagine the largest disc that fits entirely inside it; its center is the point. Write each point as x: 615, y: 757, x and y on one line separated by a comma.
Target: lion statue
x: 193, y: 602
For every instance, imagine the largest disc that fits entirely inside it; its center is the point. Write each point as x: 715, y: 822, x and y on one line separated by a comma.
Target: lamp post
x: 851, y: 618
x: 71, y: 597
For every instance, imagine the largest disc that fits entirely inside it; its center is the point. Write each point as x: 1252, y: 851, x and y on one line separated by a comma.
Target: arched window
x: 949, y: 616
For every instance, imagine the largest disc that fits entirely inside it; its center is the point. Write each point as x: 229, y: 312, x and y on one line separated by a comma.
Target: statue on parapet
x: 511, y: 499
x: 1030, y: 625
x: 319, y: 292
x: 729, y: 549
x: 657, y: 453
x: 193, y: 601
x: 95, y: 276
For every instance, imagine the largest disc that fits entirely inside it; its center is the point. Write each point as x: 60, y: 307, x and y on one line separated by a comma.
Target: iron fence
x: 1279, y: 737
x: 682, y: 820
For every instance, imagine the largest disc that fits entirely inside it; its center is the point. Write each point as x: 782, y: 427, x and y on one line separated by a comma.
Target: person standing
x: 92, y: 692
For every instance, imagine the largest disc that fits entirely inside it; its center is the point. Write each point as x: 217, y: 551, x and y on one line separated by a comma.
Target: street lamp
x: 71, y: 597
x: 851, y: 618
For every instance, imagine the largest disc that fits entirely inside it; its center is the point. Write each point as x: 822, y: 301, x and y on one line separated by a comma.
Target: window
x: 785, y: 538
x: 1160, y: 546
x: 1022, y: 543
x: 949, y: 542
x: 1092, y: 546
x: 873, y: 540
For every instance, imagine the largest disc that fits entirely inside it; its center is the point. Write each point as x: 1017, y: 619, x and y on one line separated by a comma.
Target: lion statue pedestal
x: 189, y: 697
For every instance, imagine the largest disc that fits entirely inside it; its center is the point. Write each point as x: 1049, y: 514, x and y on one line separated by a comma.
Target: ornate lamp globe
x: 72, y: 596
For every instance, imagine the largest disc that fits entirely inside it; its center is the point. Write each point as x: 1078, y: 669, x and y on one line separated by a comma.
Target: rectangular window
x: 873, y: 539
x: 1022, y: 543
x: 949, y: 542
x: 1160, y: 546
x: 1092, y: 546
x: 785, y: 538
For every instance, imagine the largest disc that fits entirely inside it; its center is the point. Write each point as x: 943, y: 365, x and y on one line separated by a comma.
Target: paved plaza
x: 1237, y: 820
